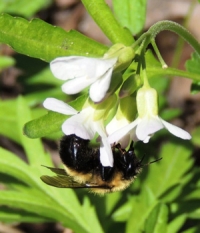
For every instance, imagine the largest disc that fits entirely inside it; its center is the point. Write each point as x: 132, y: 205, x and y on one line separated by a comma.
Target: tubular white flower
x: 82, y: 125
x: 148, y: 121
x: 115, y: 125
x: 81, y: 72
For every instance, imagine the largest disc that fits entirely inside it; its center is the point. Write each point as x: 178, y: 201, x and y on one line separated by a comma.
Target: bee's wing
x: 62, y: 182
x: 58, y: 171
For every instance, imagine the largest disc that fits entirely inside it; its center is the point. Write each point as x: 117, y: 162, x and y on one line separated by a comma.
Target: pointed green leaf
x: 157, y: 219
x: 176, y: 223
x: 175, y: 163
x: 8, y: 215
x: 31, y: 203
x: 44, y: 41
x: 34, y: 149
x: 51, y: 122
x: 6, y: 61
x: 14, y: 166
x: 103, y: 16
x: 192, y: 66
x: 131, y: 14
x: 23, y: 7
x: 141, y: 207
x: 89, y: 211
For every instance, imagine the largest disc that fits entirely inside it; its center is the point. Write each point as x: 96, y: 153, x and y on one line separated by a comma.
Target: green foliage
x: 51, y: 122
x: 195, y: 136
x: 104, y: 18
x: 192, y: 65
x: 127, y: 14
x: 44, y: 41
x: 6, y: 61
x: 23, y: 7
x: 166, y: 195
x: 27, y: 193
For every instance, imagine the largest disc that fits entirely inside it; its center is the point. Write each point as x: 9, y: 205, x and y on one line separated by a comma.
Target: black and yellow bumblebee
x: 83, y: 169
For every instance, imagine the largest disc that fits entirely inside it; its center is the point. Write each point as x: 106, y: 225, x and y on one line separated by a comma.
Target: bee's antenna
x: 142, y: 165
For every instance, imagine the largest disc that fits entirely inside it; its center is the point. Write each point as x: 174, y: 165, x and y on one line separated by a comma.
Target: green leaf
x: 195, y: 136
x: 194, y: 229
x: 89, y: 211
x: 8, y: 215
x: 176, y: 223
x: 23, y: 7
x: 8, y: 125
x: 123, y: 212
x: 51, y: 122
x: 169, y: 114
x: 45, y: 76
x: 6, y: 61
x: 131, y: 14
x: 103, y: 16
x: 141, y: 205
x: 31, y: 203
x: 157, y: 219
x: 34, y: 151
x: 192, y: 66
x: 12, y: 165
x: 175, y: 155
x: 44, y: 41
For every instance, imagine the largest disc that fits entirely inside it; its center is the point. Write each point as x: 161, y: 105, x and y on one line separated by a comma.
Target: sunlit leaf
x: 23, y: 7
x: 8, y: 215
x: 175, y: 155
x: 157, y: 219
x: 192, y: 65
x: 131, y: 14
x: 50, y: 123
x: 195, y: 136
x: 44, y: 41
x: 6, y: 61
x: 176, y: 223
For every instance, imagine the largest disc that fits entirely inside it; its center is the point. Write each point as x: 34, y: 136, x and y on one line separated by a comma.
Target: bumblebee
x: 83, y: 169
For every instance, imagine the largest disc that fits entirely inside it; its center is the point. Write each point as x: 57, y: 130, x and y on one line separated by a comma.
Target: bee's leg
x: 106, y: 173
x: 131, y: 148
x: 118, y: 146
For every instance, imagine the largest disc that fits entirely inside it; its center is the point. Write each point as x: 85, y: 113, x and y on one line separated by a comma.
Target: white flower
x: 115, y: 125
x: 82, y: 125
x: 148, y: 121
x: 81, y: 72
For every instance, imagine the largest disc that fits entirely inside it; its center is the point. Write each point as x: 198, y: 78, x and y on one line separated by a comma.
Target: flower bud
x: 130, y: 85
x: 124, y: 54
x: 147, y: 102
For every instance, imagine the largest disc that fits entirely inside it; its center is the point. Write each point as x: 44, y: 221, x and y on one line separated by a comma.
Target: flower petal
x: 99, y: 88
x: 59, y: 106
x: 106, y: 155
x: 65, y: 68
x: 76, y: 85
x: 147, y: 127
x: 178, y: 132
x: 117, y: 135
x: 76, y: 125
x: 146, y: 140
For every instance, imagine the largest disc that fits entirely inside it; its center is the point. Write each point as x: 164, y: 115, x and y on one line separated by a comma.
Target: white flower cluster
x: 81, y: 72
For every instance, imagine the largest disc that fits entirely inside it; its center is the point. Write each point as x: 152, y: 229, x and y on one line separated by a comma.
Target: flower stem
x: 164, y: 65
x: 180, y: 43
x: 143, y: 73
x: 170, y: 26
x: 103, y: 16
